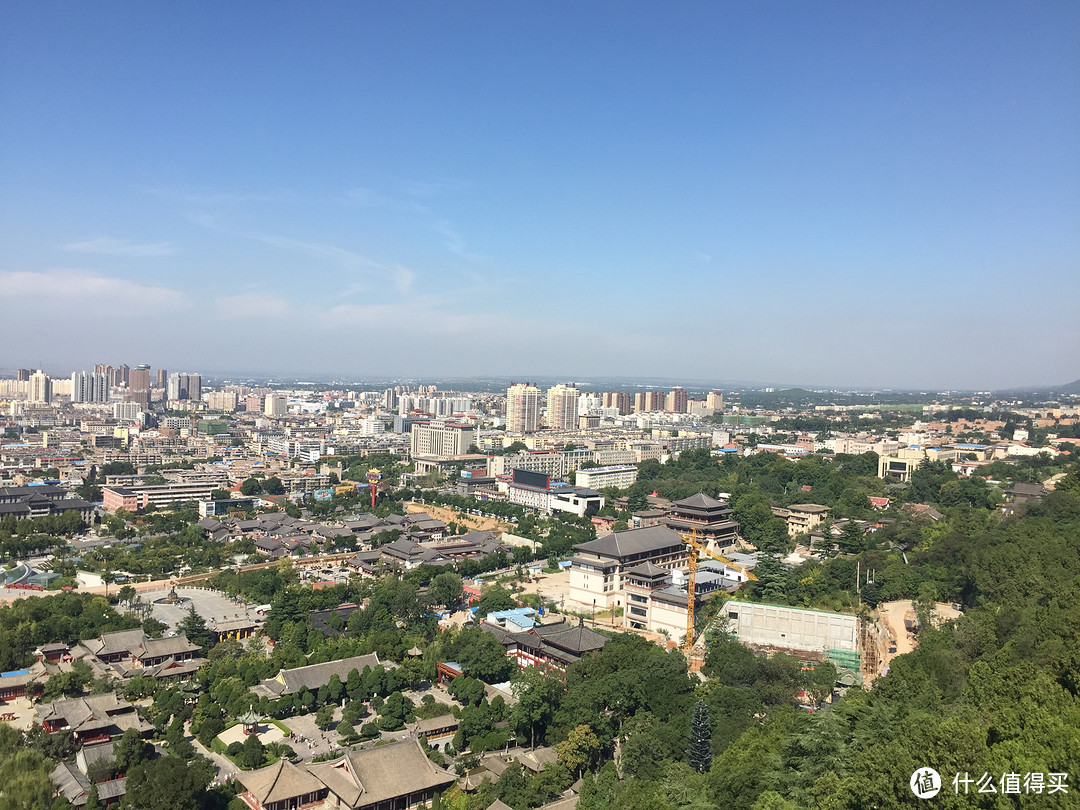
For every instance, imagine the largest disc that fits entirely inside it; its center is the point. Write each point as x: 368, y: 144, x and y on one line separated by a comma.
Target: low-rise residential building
x: 657, y: 598
x: 802, y: 518
x: 159, y: 495
x: 900, y: 466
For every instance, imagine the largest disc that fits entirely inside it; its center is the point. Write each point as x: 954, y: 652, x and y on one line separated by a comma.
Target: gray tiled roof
x: 381, y: 774
x: 279, y: 782
x: 701, y: 501
x: 632, y: 542
x: 290, y: 681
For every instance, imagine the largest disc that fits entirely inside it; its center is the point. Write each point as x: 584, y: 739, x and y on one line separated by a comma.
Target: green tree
x: 493, y: 598
x: 537, y: 696
x: 852, y: 540
x: 130, y: 751
x: 480, y: 655
x: 251, y: 486
x: 445, y: 589
x: 126, y: 595
x: 274, y: 486
x: 699, y: 754
x: 324, y: 718
x: 24, y: 773
x: 193, y: 626
x: 579, y: 750
x: 168, y: 783
x: 469, y: 691
x: 252, y: 753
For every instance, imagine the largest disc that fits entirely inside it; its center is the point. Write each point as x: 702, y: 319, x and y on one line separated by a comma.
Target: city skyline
x: 837, y: 196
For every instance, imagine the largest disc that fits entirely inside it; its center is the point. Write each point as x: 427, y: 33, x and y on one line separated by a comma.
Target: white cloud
x: 104, y: 245
x: 83, y: 286
x: 252, y: 305
x: 421, y: 317
x: 399, y: 276
x: 454, y: 241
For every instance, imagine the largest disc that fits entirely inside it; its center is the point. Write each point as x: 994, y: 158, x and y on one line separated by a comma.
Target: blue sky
x: 857, y: 194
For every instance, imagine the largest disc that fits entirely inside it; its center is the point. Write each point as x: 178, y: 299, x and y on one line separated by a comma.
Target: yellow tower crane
x: 697, y: 547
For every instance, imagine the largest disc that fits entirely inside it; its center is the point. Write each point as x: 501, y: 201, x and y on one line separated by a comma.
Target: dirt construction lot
x: 448, y: 515
x: 892, y: 616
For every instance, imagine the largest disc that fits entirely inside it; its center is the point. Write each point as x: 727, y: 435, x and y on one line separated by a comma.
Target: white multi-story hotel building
x: 598, y: 567
x: 621, y: 476
x: 442, y: 439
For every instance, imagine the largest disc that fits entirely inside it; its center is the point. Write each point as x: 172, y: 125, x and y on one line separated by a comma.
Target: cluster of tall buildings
x: 186, y: 386
x: 106, y: 383
x: 525, y: 414
x: 89, y: 386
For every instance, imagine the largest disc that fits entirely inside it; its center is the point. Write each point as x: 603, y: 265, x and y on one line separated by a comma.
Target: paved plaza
x: 213, y: 606
x: 268, y: 733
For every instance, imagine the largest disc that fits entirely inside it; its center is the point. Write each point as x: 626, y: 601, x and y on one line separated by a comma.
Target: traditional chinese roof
x: 368, y: 777
x: 290, y: 681
x: 279, y: 782
x: 635, y: 542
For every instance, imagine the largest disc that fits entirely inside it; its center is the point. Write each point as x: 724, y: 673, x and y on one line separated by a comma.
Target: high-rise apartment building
x: 23, y: 374
x: 222, y: 401
x: 253, y: 403
x: 715, y: 402
x: 185, y: 386
x: 676, y: 401
x: 161, y: 378
x: 89, y: 386
x: 121, y: 375
x: 562, y: 407
x: 618, y: 399
x: 276, y: 405
x: 522, y: 408
x: 40, y: 387
x: 648, y: 401
x: 104, y: 368
x: 126, y: 411
x: 139, y: 385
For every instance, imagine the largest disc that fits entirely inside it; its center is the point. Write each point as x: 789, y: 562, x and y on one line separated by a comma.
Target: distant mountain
x: 1068, y: 388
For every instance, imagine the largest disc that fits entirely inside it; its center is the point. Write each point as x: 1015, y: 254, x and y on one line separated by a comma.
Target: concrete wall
x: 792, y: 628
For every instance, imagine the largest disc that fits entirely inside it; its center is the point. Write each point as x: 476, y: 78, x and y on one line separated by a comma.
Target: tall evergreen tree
x: 194, y: 627
x: 699, y: 754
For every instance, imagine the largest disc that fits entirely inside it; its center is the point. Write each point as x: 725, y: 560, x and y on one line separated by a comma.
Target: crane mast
x: 696, y: 547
